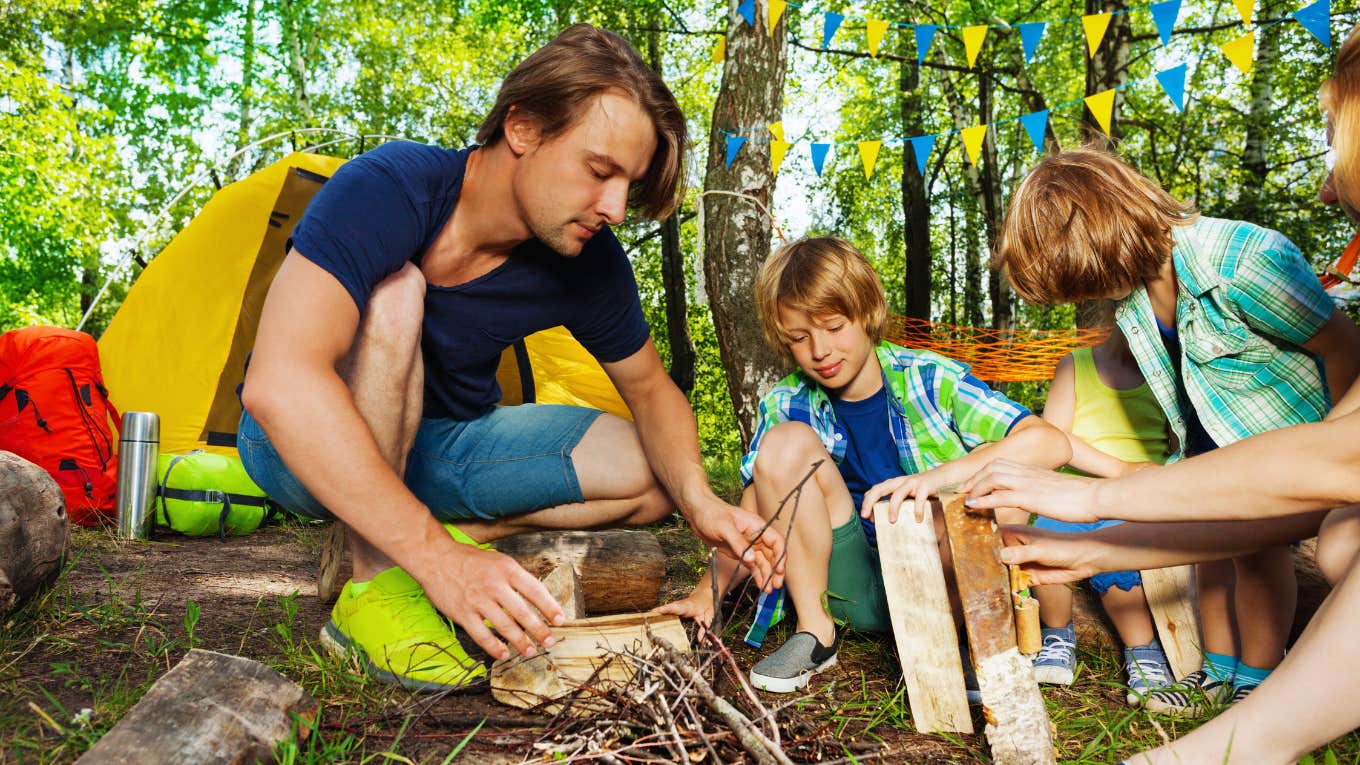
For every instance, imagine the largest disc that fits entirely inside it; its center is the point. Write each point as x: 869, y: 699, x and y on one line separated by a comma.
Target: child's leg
x: 1055, y: 604
x: 787, y: 451
x: 1339, y: 542
x: 1265, y: 594
x: 1214, y: 583
x: 1128, y: 609
x: 1307, y: 702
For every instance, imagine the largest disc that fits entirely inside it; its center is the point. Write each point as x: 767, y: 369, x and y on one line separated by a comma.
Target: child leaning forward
x: 1235, y: 337
x: 881, y: 421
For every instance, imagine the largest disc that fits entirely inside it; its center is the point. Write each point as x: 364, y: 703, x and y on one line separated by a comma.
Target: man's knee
x: 1338, y: 543
x: 788, y: 449
x: 396, y: 307
x: 610, y: 462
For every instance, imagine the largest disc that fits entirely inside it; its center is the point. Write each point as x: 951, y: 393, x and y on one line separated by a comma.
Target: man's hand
x: 472, y: 586
x: 1053, y: 495
x: 1050, y: 557
x: 744, y: 536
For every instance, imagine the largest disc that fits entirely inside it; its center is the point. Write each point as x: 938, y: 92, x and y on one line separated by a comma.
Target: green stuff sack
x: 201, y: 494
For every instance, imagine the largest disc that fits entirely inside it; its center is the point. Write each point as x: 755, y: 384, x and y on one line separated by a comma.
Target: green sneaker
x: 399, y: 636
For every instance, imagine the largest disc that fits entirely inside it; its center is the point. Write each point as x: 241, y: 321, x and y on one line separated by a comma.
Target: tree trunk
x: 673, y: 273
x: 243, y: 125
x: 979, y: 199
x: 915, y: 199
x: 737, y: 231
x: 293, y: 26
x: 1108, y: 68
x: 993, y: 211
x: 1259, y: 124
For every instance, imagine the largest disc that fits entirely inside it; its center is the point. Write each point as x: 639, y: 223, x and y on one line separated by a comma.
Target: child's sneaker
x: 1147, y: 670
x: 1191, y: 697
x: 399, y: 635
x: 793, y: 664
x: 1056, y: 662
x: 1240, y: 692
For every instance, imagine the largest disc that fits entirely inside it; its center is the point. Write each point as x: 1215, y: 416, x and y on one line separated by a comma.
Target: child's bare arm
x: 1060, y: 411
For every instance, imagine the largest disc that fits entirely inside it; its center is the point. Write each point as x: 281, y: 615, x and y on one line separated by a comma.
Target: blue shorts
x: 1101, y: 583
x: 510, y: 461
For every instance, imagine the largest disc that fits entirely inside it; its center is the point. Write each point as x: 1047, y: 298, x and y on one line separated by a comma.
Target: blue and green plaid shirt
x: 1247, y: 302
x: 938, y: 412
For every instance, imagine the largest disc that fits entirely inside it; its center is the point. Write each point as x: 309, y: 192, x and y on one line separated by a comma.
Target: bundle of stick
x: 671, y: 711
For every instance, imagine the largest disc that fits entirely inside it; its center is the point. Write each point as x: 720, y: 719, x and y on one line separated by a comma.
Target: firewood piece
x: 328, y: 581
x: 210, y: 708
x: 620, y: 569
x: 1028, y: 633
x: 922, y: 622
x: 565, y: 587
x: 1018, y: 729
x: 586, y: 651
x: 32, y: 530
x: 1170, y: 594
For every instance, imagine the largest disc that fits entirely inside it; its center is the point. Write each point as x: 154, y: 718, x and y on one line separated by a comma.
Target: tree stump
x: 32, y: 530
x: 211, y: 708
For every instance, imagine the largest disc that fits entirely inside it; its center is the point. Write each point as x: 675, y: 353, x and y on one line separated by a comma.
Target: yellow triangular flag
x: 720, y: 51
x: 776, y: 10
x: 1245, y: 8
x: 875, y: 31
x: 1239, y: 51
x: 777, y: 130
x: 972, y: 42
x: 1102, y: 108
x: 868, y: 153
x: 972, y: 141
x: 778, y: 148
x: 1095, y: 26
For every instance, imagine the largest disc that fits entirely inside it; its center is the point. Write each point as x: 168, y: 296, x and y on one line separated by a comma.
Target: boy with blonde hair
x: 879, y: 421
x: 1235, y: 336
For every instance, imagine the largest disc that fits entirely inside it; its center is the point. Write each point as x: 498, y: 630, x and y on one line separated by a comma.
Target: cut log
x: 922, y: 622
x: 32, y: 530
x: 328, y: 581
x: 565, y: 587
x: 210, y: 708
x: 1170, y: 594
x: 589, y: 653
x: 620, y: 570
x: 1018, y: 729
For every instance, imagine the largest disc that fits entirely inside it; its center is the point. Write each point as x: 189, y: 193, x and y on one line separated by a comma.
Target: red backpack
x: 55, y: 412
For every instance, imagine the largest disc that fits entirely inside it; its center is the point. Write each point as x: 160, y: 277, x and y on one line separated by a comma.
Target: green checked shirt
x: 1246, y: 303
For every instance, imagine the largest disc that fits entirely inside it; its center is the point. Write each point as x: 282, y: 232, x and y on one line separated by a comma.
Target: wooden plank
x: 328, y: 580
x: 922, y: 622
x: 1018, y: 729
x: 565, y: 587
x: 210, y: 708
x: 1170, y: 594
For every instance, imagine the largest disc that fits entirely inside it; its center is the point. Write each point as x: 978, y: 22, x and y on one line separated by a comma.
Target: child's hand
x: 698, y: 606
x: 919, y: 488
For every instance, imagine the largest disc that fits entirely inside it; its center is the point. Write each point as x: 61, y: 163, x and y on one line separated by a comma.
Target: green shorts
x: 854, y: 582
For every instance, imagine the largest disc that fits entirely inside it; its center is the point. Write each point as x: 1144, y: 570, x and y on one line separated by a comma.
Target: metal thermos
x: 138, y: 449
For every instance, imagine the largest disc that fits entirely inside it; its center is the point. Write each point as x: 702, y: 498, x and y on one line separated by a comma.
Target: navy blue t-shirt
x: 1197, y: 439
x: 386, y: 207
x: 870, y: 451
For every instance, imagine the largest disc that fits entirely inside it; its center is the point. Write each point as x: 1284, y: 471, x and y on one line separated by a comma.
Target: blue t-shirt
x: 1197, y: 439
x: 386, y: 207
x: 871, y: 453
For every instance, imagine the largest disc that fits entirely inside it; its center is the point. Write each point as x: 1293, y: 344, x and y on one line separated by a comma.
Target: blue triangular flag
x: 819, y: 156
x: 925, y: 33
x: 1029, y: 37
x: 1317, y: 18
x: 747, y: 9
x: 1035, y: 124
x: 1173, y: 82
x: 1164, y: 16
x: 922, y: 145
x: 829, y: 27
x: 734, y: 144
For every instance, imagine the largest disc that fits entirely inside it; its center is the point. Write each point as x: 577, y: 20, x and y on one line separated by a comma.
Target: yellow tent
x: 178, y: 344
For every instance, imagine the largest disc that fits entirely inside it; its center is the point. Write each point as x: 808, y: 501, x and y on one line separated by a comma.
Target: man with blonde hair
x: 371, y: 395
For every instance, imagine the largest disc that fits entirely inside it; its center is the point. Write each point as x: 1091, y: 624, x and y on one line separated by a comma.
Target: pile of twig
x: 672, y: 712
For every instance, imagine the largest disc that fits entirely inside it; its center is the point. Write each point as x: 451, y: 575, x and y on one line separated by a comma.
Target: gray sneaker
x: 1147, y: 670
x: 1056, y: 662
x: 793, y: 664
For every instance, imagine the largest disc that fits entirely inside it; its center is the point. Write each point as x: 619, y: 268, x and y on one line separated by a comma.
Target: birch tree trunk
x: 737, y: 231
x: 247, y: 96
x: 293, y: 27
x: 1259, y: 125
x: 1108, y: 68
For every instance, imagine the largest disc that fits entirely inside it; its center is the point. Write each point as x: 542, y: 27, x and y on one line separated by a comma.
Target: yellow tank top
x: 1126, y: 424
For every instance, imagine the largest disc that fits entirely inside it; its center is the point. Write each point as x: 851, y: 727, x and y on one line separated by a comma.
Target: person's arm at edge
x: 670, y: 438
x: 1338, y: 344
x: 294, y: 392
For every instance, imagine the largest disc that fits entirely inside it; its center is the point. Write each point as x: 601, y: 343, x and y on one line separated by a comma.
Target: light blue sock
x: 1249, y: 675
x: 1220, y: 668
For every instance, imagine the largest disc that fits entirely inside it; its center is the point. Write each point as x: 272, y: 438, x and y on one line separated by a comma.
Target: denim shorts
x: 1102, y: 582
x: 510, y: 461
